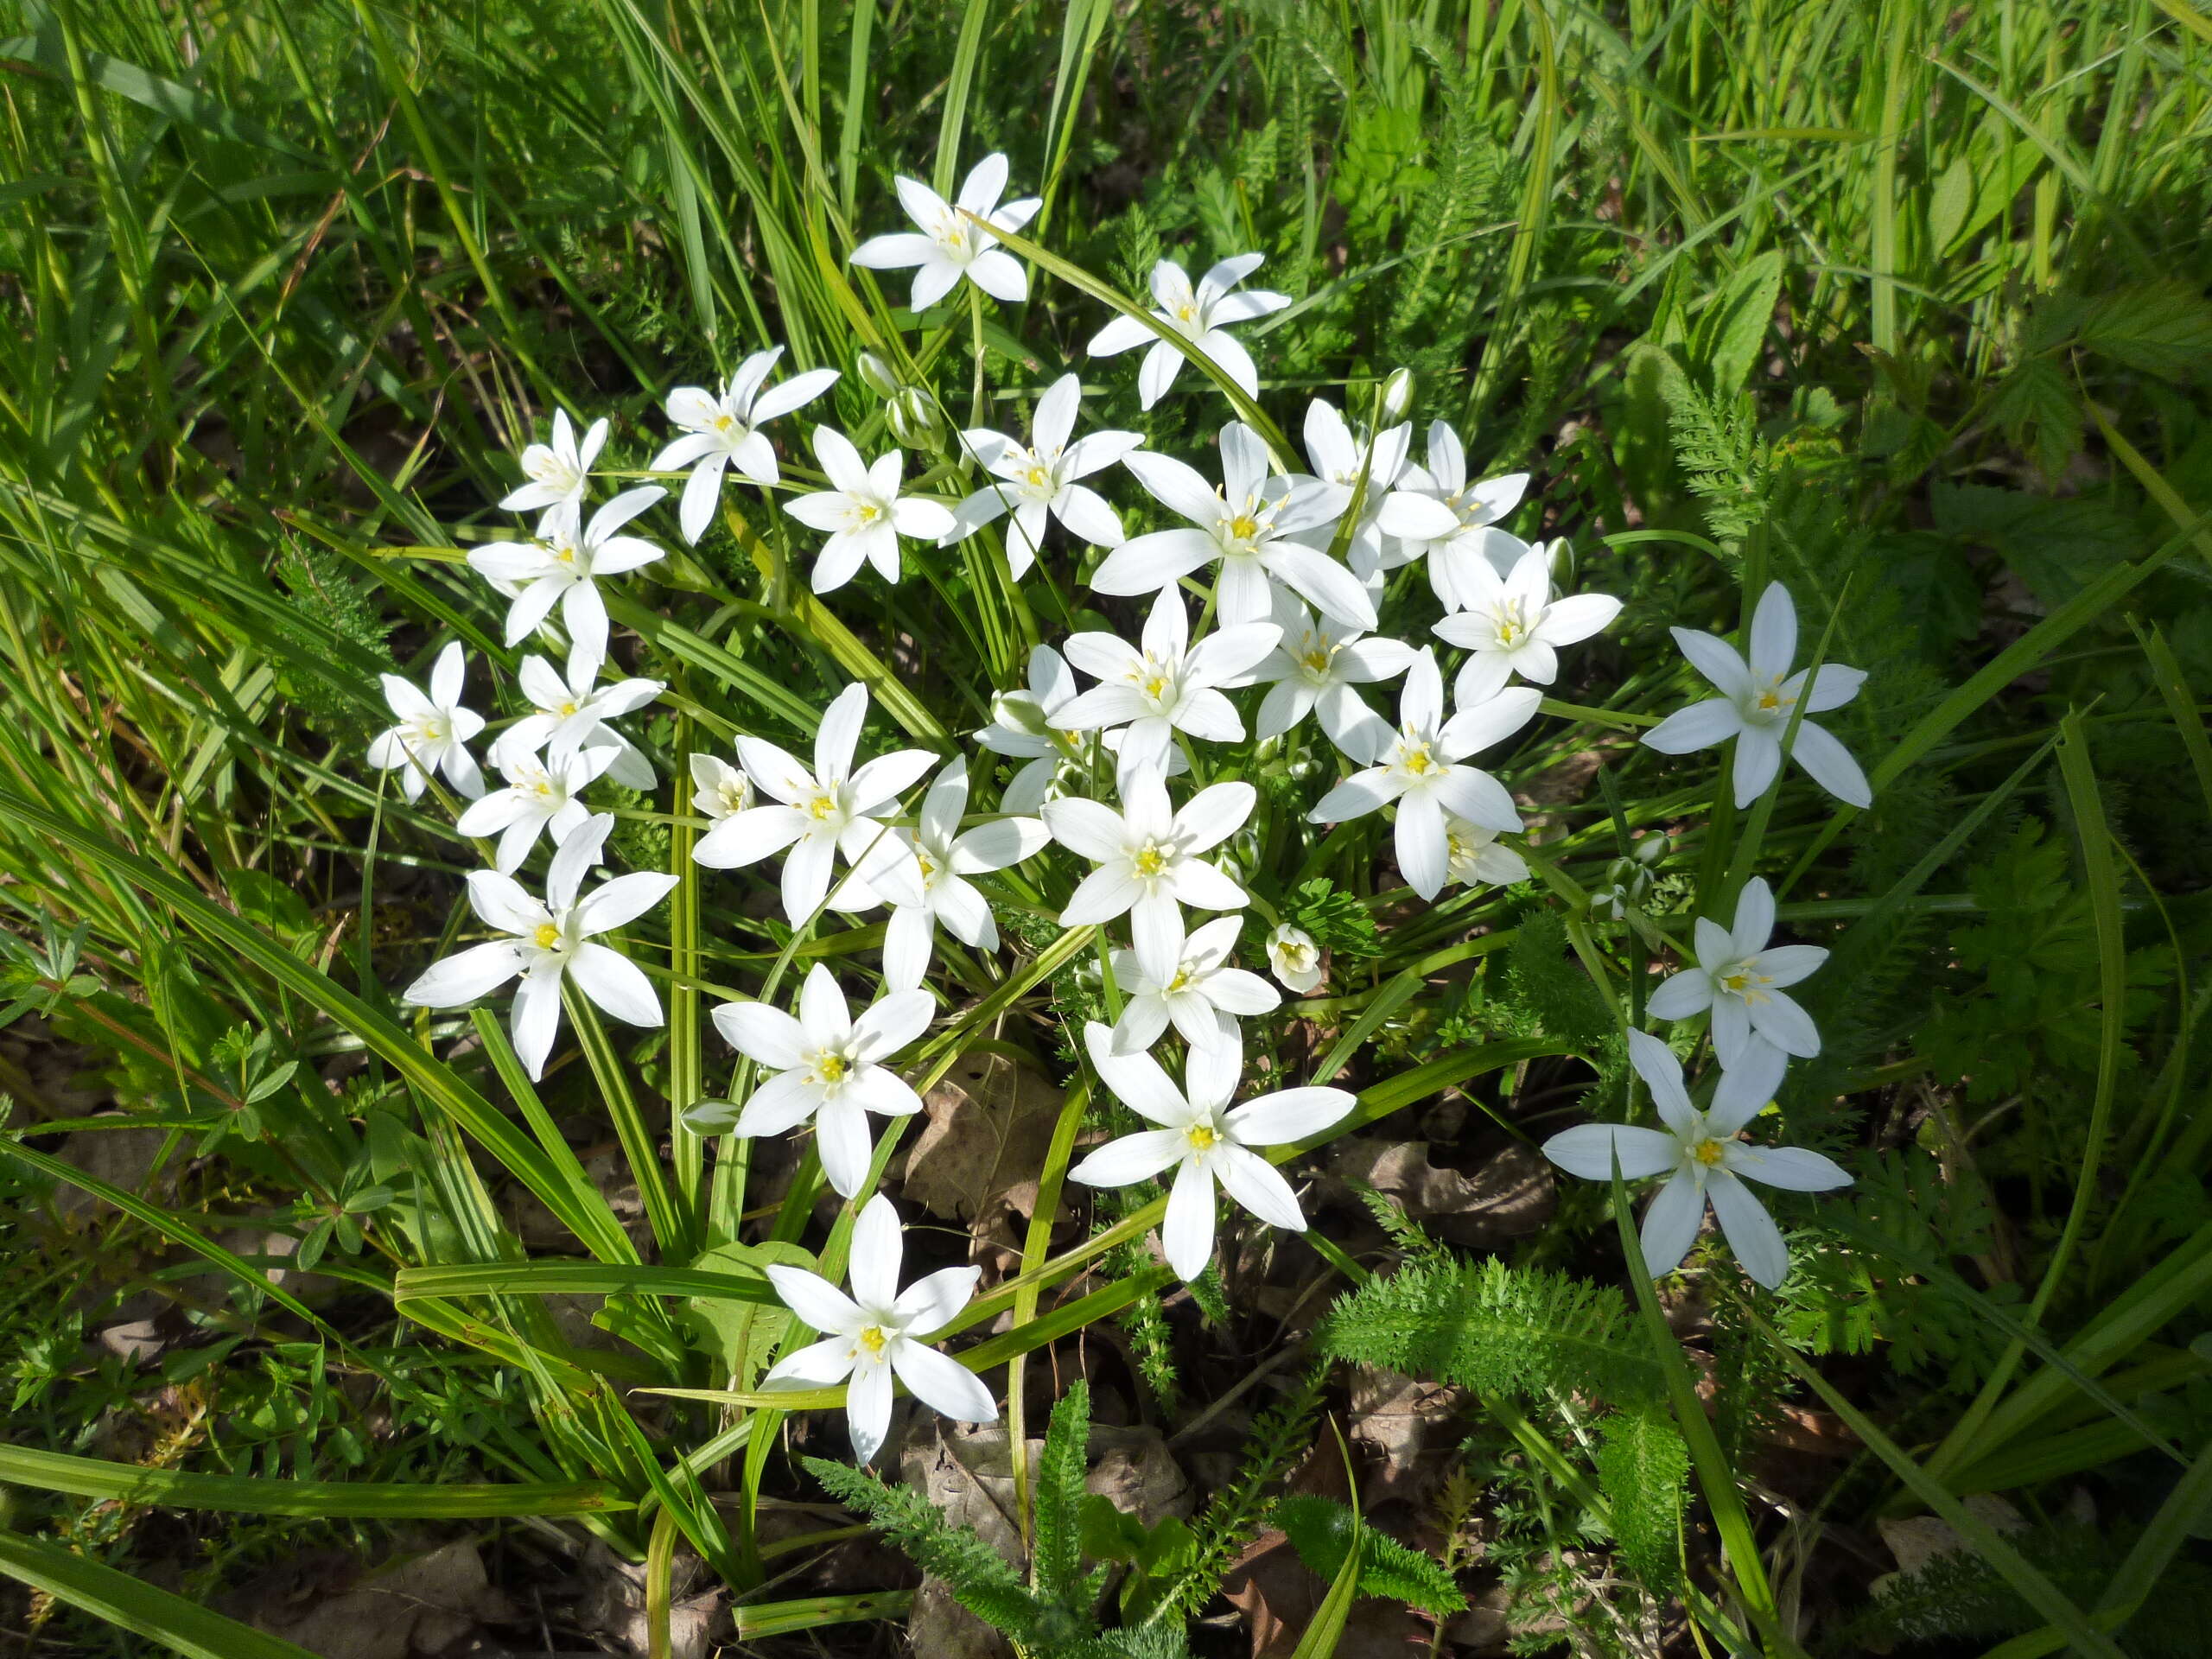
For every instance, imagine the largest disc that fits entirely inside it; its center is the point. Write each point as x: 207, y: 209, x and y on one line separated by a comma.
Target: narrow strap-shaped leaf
x: 136, y: 1605
x: 384, y: 1036
x: 129, y: 1482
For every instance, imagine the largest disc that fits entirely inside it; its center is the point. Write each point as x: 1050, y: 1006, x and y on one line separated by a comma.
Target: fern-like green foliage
x: 1643, y: 1465
x: 1321, y: 1530
x: 1521, y: 1331
x: 1543, y: 978
x: 1057, y: 1560
x: 1279, y: 1434
x: 981, y: 1581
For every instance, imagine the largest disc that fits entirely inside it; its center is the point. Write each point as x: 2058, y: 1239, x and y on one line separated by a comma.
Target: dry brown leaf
x: 1509, y: 1196
x: 425, y: 1607
x: 989, y: 1125
x: 1413, y: 1425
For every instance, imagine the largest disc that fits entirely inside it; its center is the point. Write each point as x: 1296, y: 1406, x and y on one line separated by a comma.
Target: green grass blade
x: 133, y: 1605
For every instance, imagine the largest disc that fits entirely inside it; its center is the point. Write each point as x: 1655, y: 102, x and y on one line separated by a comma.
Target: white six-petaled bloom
x: 950, y: 245
x: 556, y: 473
x: 1294, y: 958
x: 1039, y: 480
x: 1192, y: 987
x: 1249, y: 525
x: 723, y: 431
x: 433, y: 733
x: 1149, y: 856
x: 1168, y: 686
x: 1342, y: 457
x: 567, y: 713
x: 1423, y: 768
x: 550, y: 941
x: 1512, y: 625
x: 1757, y: 698
x: 1700, y: 1154
x: 815, y: 811
x: 1474, y: 857
x: 863, y: 512
x: 1437, y: 514
x: 1739, y: 977
x: 930, y: 888
x: 563, y: 567
x: 719, y: 790
x: 1026, y: 726
x: 829, y: 1066
x: 1203, y: 1139
x: 879, y: 1332
x: 543, y: 793
x: 1200, y: 315
x: 1314, y: 669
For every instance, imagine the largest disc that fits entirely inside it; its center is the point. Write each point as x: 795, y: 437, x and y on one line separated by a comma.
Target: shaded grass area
x: 1901, y: 303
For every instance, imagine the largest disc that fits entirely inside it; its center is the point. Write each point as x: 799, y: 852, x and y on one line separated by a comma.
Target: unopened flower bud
x: 1397, y: 396
x: 876, y: 375
x: 1294, y: 958
x: 914, y: 420
x: 1019, y: 711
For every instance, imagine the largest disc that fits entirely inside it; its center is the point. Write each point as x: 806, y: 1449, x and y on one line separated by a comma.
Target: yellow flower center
x: 867, y: 512
x: 1710, y: 1153
x: 1150, y: 860
x: 1180, y: 982
x: 1296, y: 957
x: 564, y: 555
x: 430, y: 728
x: 546, y: 936
x: 1186, y: 312
x: 732, y: 796
x: 824, y: 805
x: 830, y: 1068
x: 1418, y: 761
x: 874, y: 1338
x: 1155, y: 686
x: 1244, y: 527
x: 567, y: 709
x: 928, y: 864
x: 1509, y: 630
x: 1038, y: 478
x: 723, y: 422
x: 1316, y: 662
x: 1202, y: 1136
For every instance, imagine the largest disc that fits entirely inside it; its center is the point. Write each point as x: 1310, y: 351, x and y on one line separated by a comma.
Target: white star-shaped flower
x: 829, y: 1066
x: 1026, y: 726
x: 1167, y: 687
x: 719, y: 790
x: 433, y: 733
x: 863, y: 512
x: 550, y: 942
x: 950, y: 245
x: 1703, y: 1158
x: 724, y: 431
x: 541, y: 794
x: 1341, y: 457
x: 1514, y: 625
x: 1739, y: 977
x: 569, y: 712
x: 563, y: 567
x: 1757, y: 699
x: 880, y: 1333
x: 815, y: 811
x: 1294, y: 958
x: 1039, y: 480
x: 1249, y: 525
x: 1148, y: 855
x: 1437, y: 514
x: 1423, y: 768
x: 1200, y: 314
x: 1203, y: 1139
x: 1474, y: 857
x: 930, y: 888
x: 1315, y: 668
x: 556, y: 473
x: 1192, y: 986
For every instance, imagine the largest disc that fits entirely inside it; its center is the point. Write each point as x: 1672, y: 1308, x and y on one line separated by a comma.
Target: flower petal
x: 1186, y: 1236
x: 1750, y: 1230
x: 1670, y: 1222
x: 942, y: 1383
x: 1589, y: 1149
x: 1258, y: 1186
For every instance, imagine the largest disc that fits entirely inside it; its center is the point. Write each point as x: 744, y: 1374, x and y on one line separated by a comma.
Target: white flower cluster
x: 1297, y: 563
